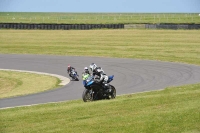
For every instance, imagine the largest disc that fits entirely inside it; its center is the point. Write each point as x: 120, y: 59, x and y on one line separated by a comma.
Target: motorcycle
x: 97, y: 91
x: 74, y: 75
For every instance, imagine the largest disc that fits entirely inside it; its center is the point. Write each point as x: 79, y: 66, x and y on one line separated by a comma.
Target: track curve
x: 131, y: 75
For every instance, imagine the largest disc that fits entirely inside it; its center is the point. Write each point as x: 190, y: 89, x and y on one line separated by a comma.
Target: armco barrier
x: 59, y: 26
x: 182, y: 27
x: 194, y: 26
x: 95, y: 26
x: 172, y: 26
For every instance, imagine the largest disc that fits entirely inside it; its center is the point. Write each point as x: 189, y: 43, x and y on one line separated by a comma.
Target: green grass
x: 165, y: 45
x: 98, y: 18
x: 173, y: 110
x: 16, y: 83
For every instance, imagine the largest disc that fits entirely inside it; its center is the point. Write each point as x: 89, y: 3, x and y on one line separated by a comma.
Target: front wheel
x: 87, y: 96
x: 113, y: 92
x: 77, y: 79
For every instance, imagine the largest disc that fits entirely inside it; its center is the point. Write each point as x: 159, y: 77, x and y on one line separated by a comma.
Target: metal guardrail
x: 60, y: 26
x: 96, y: 26
x: 172, y: 26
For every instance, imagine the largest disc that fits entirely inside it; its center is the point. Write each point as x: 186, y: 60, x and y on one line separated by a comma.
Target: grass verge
x: 173, y: 110
x: 17, y: 83
x: 166, y: 45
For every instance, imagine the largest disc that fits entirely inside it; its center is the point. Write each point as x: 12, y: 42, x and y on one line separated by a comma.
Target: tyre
x: 87, y: 96
x: 113, y: 92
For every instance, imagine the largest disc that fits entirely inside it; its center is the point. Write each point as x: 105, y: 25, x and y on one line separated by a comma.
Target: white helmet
x: 93, y: 66
x: 85, y: 68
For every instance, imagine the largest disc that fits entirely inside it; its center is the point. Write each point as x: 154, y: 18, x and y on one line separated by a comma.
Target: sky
x: 101, y: 6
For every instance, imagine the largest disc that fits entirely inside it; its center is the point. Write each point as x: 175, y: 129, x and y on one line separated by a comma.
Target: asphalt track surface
x: 131, y: 75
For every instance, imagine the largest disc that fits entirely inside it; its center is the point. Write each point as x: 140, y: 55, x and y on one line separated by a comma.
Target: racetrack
x: 131, y: 75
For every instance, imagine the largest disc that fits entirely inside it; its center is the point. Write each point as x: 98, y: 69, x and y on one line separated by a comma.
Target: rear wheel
x: 87, y: 96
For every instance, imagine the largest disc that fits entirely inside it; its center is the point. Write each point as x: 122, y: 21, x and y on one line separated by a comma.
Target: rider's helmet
x: 68, y: 67
x: 93, y: 67
x: 86, y: 70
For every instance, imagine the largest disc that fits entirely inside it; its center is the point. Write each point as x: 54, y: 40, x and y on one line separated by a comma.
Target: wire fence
x: 99, y: 18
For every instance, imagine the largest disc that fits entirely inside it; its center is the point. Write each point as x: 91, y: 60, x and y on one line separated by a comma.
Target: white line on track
x: 64, y: 80
x: 31, y: 105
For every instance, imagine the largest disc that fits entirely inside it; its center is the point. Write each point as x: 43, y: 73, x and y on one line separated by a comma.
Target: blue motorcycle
x: 74, y: 75
x: 98, y: 91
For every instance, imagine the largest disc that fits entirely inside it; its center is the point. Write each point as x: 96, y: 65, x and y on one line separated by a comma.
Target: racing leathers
x: 100, y: 76
x: 85, y: 75
x: 69, y: 70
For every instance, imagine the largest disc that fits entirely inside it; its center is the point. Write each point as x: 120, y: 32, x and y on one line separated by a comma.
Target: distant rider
x: 69, y: 70
x: 85, y: 75
x: 86, y: 71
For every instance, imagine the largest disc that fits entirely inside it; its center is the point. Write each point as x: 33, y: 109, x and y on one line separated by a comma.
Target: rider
x: 69, y: 70
x: 86, y: 71
x: 85, y: 75
x: 98, y: 72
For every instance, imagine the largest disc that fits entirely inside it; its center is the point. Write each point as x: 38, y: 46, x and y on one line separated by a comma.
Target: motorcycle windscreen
x: 110, y: 78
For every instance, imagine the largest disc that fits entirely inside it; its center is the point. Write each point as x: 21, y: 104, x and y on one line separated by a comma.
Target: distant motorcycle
x: 97, y: 91
x: 74, y: 75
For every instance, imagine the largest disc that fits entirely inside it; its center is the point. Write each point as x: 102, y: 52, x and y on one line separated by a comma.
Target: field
x: 98, y: 18
x: 172, y: 110
x: 166, y: 45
